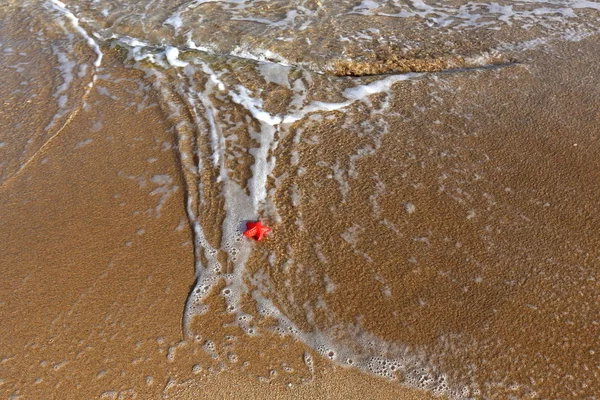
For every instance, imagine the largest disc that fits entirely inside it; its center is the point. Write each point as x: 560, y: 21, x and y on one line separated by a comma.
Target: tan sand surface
x: 473, y: 227
x: 96, y: 266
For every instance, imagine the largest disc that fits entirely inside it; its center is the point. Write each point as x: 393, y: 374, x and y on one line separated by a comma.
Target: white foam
x: 172, y: 54
x: 410, y: 208
x: 67, y: 68
x: 275, y: 73
x: 360, y: 92
x: 477, y: 14
x: 62, y: 8
x: 83, y: 143
x: 258, y: 54
x: 243, y: 97
x: 175, y: 21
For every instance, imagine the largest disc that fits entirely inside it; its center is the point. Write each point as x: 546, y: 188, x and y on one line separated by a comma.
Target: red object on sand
x: 256, y: 230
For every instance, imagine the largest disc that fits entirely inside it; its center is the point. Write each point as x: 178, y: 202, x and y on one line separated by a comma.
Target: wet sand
x: 475, y: 216
x: 487, y: 229
x: 96, y: 270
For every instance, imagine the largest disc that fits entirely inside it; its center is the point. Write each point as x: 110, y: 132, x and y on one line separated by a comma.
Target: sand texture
x: 434, y: 236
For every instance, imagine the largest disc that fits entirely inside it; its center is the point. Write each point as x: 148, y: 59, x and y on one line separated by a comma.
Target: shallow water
x: 405, y: 241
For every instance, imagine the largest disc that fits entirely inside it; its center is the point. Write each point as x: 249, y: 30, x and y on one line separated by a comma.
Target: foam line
x: 62, y: 8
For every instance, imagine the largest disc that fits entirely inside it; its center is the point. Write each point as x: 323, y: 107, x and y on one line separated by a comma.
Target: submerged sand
x: 469, y: 234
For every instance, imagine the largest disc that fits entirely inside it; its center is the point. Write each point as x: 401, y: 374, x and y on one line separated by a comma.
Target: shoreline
x: 467, y: 201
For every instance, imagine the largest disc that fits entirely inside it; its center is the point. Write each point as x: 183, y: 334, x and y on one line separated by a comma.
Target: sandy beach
x: 435, y: 235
